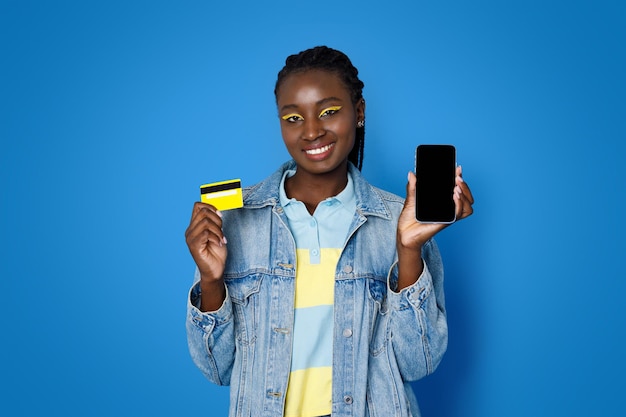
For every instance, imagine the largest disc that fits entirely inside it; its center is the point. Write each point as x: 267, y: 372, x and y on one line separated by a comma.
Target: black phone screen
x: 435, y: 168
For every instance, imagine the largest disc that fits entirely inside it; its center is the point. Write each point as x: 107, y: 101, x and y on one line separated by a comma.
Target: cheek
x: 290, y: 140
x: 345, y: 129
x: 287, y: 134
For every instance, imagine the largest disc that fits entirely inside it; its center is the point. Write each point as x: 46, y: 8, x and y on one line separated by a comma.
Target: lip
x: 318, y: 153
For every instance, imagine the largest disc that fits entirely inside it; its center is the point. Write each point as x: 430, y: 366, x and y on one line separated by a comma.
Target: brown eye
x: 292, y: 117
x: 329, y: 111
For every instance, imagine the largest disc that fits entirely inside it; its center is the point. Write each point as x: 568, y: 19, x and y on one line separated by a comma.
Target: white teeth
x: 319, y: 150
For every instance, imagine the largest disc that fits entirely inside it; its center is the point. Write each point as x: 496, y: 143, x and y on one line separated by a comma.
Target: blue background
x: 113, y: 113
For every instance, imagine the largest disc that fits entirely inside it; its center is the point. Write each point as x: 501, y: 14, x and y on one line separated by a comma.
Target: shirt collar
x: 370, y: 201
x: 345, y: 197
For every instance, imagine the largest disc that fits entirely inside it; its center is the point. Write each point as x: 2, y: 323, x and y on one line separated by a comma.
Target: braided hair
x: 328, y: 59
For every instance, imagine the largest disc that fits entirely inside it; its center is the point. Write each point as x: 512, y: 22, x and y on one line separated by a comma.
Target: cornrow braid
x: 332, y: 60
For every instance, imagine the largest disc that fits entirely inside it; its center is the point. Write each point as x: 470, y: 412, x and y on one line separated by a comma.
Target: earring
x: 360, y: 123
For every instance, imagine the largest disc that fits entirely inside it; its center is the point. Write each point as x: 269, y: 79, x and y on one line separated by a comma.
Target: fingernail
x: 225, y: 240
x: 219, y: 213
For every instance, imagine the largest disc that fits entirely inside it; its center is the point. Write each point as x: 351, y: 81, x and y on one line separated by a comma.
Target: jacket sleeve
x: 418, y: 328
x: 211, y: 337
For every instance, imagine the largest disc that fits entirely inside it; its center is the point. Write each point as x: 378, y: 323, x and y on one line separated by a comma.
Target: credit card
x: 224, y: 195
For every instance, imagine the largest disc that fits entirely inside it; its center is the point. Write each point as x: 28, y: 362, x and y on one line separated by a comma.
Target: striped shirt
x: 319, y: 240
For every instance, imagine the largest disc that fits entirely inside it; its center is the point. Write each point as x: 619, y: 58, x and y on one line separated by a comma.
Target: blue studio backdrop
x: 113, y: 113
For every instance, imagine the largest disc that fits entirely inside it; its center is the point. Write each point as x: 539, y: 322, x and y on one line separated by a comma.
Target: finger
x: 204, y: 230
x: 410, y: 190
x: 463, y: 205
x: 204, y: 211
x: 205, y: 224
x: 206, y: 215
x: 208, y: 252
x: 205, y: 233
x: 199, y: 206
x: 464, y: 187
x: 407, y: 216
x: 458, y: 203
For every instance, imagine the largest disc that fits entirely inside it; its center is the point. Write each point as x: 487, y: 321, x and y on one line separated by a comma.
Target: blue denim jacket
x: 382, y: 338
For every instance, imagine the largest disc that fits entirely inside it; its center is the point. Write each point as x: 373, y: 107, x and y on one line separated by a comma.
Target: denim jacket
x: 382, y: 340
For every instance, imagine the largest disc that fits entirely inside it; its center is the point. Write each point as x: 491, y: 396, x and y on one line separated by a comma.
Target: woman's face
x: 317, y: 120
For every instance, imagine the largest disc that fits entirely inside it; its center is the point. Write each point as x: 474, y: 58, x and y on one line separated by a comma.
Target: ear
x: 360, y: 109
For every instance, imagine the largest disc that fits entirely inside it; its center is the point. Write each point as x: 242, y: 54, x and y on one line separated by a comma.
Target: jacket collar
x: 369, y: 200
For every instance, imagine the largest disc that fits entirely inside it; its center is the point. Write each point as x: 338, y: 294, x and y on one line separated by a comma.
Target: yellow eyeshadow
x: 333, y: 108
x: 290, y: 115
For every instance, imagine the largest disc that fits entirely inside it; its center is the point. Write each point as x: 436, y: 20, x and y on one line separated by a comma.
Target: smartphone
x: 435, y: 168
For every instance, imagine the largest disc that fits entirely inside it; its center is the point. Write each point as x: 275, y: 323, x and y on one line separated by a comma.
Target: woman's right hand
x: 207, y: 245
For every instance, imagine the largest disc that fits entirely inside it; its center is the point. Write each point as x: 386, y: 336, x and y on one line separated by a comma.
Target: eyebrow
x: 320, y: 102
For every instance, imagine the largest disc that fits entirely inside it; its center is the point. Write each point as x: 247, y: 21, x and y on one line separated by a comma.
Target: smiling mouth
x: 318, y: 151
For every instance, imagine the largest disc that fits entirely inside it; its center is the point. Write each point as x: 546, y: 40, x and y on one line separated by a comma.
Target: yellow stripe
x: 309, y: 393
x: 315, y: 283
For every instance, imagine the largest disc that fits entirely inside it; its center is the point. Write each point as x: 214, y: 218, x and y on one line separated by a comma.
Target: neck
x: 312, y: 189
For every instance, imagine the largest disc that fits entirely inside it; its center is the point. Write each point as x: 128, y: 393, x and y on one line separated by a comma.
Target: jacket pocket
x: 244, y: 293
x: 386, y: 395
x: 377, y: 291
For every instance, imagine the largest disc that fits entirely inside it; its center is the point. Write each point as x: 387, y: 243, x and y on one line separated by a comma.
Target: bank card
x: 224, y: 195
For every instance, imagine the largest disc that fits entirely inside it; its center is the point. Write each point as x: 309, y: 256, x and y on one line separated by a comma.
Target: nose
x: 313, y: 128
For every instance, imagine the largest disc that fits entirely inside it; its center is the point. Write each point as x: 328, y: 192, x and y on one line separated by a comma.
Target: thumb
x: 407, y: 217
x: 409, y: 202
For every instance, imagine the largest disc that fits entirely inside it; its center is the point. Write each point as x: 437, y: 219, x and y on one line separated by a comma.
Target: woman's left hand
x: 412, y: 234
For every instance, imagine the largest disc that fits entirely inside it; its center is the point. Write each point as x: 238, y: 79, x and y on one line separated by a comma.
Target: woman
x: 323, y: 294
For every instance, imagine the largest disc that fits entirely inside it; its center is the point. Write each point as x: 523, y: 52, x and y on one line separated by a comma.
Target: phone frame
x: 421, y: 217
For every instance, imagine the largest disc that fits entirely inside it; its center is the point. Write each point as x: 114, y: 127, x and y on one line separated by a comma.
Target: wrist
x: 408, y: 250
x: 410, y: 265
x: 212, y: 294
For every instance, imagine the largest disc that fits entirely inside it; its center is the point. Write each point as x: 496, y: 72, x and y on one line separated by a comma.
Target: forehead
x: 311, y: 86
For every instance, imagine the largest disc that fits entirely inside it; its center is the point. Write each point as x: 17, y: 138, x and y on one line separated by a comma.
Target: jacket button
x: 347, y: 269
x: 347, y: 399
x: 281, y: 330
x: 347, y: 332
